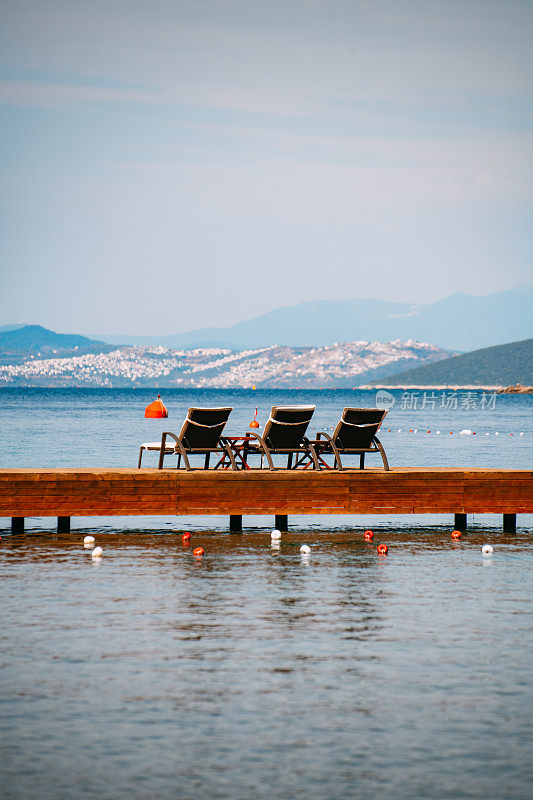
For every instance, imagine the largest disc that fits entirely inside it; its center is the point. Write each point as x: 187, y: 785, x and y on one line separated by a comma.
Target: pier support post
x: 235, y: 523
x: 281, y: 521
x: 17, y: 524
x: 63, y: 524
x: 509, y: 523
x: 460, y: 522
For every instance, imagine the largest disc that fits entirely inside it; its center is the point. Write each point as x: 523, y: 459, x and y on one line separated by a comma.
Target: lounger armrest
x: 168, y: 433
x: 222, y: 440
x: 263, y: 447
x: 164, y: 444
x: 334, y: 448
x: 311, y: 450
x: 382, y: 451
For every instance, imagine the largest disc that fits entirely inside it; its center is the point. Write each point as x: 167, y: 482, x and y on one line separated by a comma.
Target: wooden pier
x: 65, y: 493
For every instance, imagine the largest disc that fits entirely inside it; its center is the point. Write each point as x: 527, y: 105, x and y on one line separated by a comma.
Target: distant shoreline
x: 500, y: 388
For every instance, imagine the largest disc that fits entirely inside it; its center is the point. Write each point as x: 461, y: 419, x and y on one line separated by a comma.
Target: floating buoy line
x: 462, y: 432
x: 275, y: 537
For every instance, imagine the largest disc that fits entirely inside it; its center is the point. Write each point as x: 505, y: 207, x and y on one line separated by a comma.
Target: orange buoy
x: 186, y: 538
x: 156, y: 410
x: 368, y: 536
x: 456, y: 534
x: 254, y: 423
x: 382, y: 549
x: 198, y: 551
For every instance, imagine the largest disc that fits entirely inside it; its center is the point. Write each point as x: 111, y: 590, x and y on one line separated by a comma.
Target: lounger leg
x: 183, y: 452
x: 338, y: 461
x: 231, y: 455
x: 382, y: 451
x: 334, y: 448
x: 140, y: 457
x: 362, y: 461
x: 289, y: 461
x: 264, y: 450
x: 206, y: 463
x: 269, y: 460
x: 314, y: 457
x: 162, y: 451
x: 281, y: 522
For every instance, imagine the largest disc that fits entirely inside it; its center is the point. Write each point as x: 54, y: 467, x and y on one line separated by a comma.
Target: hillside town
x: 338, y: 365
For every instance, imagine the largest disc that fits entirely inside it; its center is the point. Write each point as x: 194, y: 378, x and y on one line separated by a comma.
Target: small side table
x: 239, y: 447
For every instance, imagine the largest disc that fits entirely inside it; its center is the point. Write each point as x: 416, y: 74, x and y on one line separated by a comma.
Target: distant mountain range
x: 22, y: 340
x: 297, y: 367
x: 459, y: 322
x: 34, y: 356
x: 503, y: 365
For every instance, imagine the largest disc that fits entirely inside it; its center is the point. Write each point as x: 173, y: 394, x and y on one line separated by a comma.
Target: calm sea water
x: 257, y: 672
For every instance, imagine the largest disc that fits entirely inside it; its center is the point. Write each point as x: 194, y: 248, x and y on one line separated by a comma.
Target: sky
x: 171, y: 165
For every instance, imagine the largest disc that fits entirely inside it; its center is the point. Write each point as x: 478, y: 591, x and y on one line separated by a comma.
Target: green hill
x: 503, y: 365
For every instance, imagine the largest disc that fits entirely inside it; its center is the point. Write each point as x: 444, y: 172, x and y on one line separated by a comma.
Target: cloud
x: 43, y: 94
x: 276, y: 58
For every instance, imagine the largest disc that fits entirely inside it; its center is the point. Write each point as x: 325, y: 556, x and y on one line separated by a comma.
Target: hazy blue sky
x: 167, y: 165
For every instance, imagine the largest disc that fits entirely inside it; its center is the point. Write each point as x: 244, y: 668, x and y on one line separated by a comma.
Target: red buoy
x: 456, y: 534
x: 156, y: 410
x: 254, y: 423
x: 368, y: 536
x: 186, y: 538
x: 198, y: 551
x: 383, y: 549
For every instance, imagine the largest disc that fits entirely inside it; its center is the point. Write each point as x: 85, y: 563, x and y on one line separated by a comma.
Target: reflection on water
x: 254, y: 673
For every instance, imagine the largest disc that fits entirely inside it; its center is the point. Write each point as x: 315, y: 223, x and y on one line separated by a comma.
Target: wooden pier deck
x: 64, y: 493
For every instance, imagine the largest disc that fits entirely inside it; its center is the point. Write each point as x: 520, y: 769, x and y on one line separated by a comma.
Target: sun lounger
x: 284, y: 433
x: 355, y: 434
x: 201, y: 434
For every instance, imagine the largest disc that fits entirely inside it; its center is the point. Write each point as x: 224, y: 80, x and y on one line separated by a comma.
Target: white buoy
x: 305, y: 548
x: 466, y: 432
x: 496, y: 434
x: 97, y: 552
x: 88, y: 540
x: 275, y: 534
x: 487, y: 549
x: 438, y: 433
